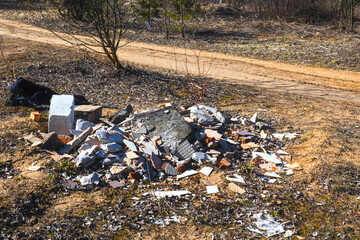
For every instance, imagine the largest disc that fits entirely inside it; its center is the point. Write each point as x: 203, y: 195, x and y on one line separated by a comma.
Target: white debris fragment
x: 187, y: 173
x: 288, y: 233
x: 282, y: 136
x: 238, y: 179
x: 176, y: 219
x: 263, y: 134
x: 268, y: 157
x: 34, y: 168
x: 212, y: 189
x: 267, y: 223
x: 206, y: 170
x: 273, y: 180
x: 254, y: 118
x: 282, y: 152
x: 90, y: 179
x: 130, y: 145
x: 162, y: 194
x: 272, y: 174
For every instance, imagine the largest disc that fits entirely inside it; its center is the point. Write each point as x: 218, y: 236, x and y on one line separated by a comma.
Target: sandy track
x: 271, y: 76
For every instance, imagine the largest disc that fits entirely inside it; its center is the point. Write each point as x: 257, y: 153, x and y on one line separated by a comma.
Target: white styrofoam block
x: 61, y: 114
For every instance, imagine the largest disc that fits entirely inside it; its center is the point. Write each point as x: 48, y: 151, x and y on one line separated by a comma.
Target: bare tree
x: 104, y: 21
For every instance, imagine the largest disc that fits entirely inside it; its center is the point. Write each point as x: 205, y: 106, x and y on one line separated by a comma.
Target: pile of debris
x: 161, y: 142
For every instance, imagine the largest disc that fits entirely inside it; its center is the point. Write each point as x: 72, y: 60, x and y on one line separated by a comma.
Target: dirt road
x: 271, y: 76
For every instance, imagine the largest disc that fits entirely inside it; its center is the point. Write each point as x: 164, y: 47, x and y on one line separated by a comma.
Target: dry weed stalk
x: 198, y: 82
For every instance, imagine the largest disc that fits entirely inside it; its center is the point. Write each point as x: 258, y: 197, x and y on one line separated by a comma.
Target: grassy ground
x: 320, y: 201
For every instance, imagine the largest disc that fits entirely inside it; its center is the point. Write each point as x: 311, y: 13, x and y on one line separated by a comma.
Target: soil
x: 319, y: 202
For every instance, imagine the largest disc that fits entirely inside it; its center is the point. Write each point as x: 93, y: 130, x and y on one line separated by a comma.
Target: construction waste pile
x: 162, y: 142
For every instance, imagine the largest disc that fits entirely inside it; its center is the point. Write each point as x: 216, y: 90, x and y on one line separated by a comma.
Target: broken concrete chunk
x: 184, y: 165
x: 76, y: 142
x: 89, y: 113
x: 114, y: 137
x: 213, y: 134
x: 156, y: 161
x: 130, y: 145
x: 108, y: 161
x: 33, y: 139
x: 131, y: 155
x: 90, y: 179
x: 224, y: 145
x: 249, y: 145
x: 61, y: 114
x: 235, y: 188
x: 91, y: 141
x: 82, y: 124
x: 282, y: 136
x: 263, y: 135
x: 83, y: 159
x: 269, y: 157
x: 262, y: 125
x: 169, y: 169
x: 245, y: 133
x: 200, y: 117
x: 149, y: 151
x: 139, y: 132
x: 103, y: 136
x: 185, y: 150
x: 269, y: 167
x: 213, y: 152
x: 203, y: 107
x: 116, y: 184
x: 223, y: 117
x: 200, y: 157
x: 167, y: 123
x: 117, y: 169
x: 52, y: 142
x: 119, y: 117
x: 111, y: 147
